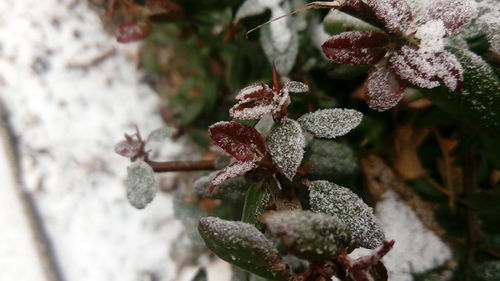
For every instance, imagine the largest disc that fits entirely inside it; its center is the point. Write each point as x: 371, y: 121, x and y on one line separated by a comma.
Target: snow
x: 417, y: 249
x: 331, y: 123
x: 67, y: 109
x: 286, y: 146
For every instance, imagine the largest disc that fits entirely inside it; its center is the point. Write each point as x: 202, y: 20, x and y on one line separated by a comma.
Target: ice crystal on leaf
x: 140, y: 183
x: 419, y: 56
x: 312, y: 236
x: 490, y: 23
x: 235, y: 169
x: 232, y: 189
x: 329, y: 198
x: 286, y: 146
x: 296, y: 87
x: 331, y: 123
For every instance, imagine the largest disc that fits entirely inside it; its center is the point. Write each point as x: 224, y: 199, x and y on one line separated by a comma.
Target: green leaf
x: 256, y: 201
x: 478, y: 103
x: 308, y: 235
x: 329, y: 198
x: 243, y: 245
x: 201, y: 275
x: 329, y: 159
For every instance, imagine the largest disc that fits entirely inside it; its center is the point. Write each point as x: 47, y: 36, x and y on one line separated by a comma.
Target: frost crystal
x: 243, y: 245
x: 234, y: 170
x: 383, y: 89
x: 490, y: 24
x: 252, y: 91
x: 313, y: 236
x: 395, y: 14
x: 296, y: 87
x: 331, y: 123
x: 249, y: 110
x: 431, y: 35
x: 232, y: 189
x: 140, y: 182
x: 286, y: 146
x: 329, y: 198
x: 414, y: 66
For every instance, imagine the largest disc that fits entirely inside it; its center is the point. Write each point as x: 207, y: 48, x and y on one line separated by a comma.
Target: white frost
x: 331, y: 123
x: 141, y: 184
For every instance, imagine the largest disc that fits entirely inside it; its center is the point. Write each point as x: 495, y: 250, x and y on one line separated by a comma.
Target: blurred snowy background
x: 68, y: 92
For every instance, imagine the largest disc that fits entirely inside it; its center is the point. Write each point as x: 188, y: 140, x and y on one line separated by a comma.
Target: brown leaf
x: 406, y: 141
x: 383, y: 89
x: 162, y: 11
x: 451, y: 173
x: 132, y: 31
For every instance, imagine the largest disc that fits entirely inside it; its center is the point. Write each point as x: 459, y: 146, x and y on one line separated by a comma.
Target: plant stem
x: 177, y: 166
x: 469, y: 180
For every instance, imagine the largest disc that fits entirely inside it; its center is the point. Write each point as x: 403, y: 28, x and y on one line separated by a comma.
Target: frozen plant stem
x: 176, y: 166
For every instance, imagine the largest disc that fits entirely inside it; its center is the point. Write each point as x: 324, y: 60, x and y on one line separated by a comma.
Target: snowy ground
x: 70, y: 91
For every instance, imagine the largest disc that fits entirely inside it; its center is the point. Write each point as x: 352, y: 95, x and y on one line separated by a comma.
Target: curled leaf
x: 241, y: 244
x: 356, y: 47
x: 383, y: 89
x: 329, y: 198
x: 286, y: 146
x: 331, y: 123
x: 141, y: 184
x: 308, y: 235
x: 242, y: 142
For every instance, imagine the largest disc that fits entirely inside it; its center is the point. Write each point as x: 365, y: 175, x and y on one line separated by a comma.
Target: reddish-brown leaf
x: 162, y: 11
x: 252, y: 109
x: 383, y: 89
x: 449, y: 70
x: 276, y: 82
x: 235, y: 169
x: 454, y: 14
x: 132, y: 31
x: 396, y: 15
x: 257, y: 90
x: 356, y: 47
x: 362, y: 11
x: 411, y: 65
x: 242, y: 142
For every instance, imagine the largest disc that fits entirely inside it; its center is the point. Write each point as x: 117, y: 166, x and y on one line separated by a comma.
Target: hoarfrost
x: 331, y: 123
x: 383, y: 89
x: 309, y: 235
x: 286, y: 146
x: 414, y: 66
x: 296, y: 87
x: 128, y: 148
x: 251, y: 91
x: 453, y: 13
x: 431, y: 35
x: 329, y: 198
x: 233, y: 189
x: 395, y: 14
x: 490, y: 24
x: 236, y: 169
x: 251, y: 109
x: 140, y: 183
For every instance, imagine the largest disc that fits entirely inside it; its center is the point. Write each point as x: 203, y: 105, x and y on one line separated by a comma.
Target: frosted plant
x: 330, y: 123
x: 335, y: 200
x: 410, y: 51
x: 140, y: 183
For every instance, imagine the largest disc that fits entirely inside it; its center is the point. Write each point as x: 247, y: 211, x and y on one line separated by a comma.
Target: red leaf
x: 242, y: 142
x: 415, y: 67
x: 162, y: 11
x: 132, y: 31
x: 383, y: 89
x: 362, y: 11
x: 258, y: 90
x: 128, y: 148
x: 235, y: 169
x: 252, y: 109
x: 395, y: 14
x: 449, y: 70
x: 454, y: 14
x: 276, y: 82
x: 356, y: 47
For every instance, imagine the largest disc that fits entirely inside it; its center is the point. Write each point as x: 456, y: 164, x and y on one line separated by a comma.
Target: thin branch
x: 469, y: 179
x: 176, y: 166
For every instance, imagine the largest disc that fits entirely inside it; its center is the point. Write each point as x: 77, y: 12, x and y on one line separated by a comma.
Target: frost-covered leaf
x: 296, y: 87
x: 251, y: 109
x: 161, y: 134
x: 256, y: 201
x: 361, y: 10
x: 141, y: 184
x: 478, y: 102
x: 329, y: 159
x: 132, y: 31
x: 162, y: 11
x: 331, y: 123
x: 454, y: 14
x: 449, y: 70
x: 490, y: 24
x: 356, y: 47
x: 236, y: 169
x: 329, y: 198
x: 233, y: 189
x: 129, y: 147
x: 242, y: 142
x: 286, y: 146
x: 282, y: 54
x: 395, y: 14
x: 383, y: 89
x: 257, y: 90
x: 241, y: 244
x: 308, y: 235
x: 414, y: 66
